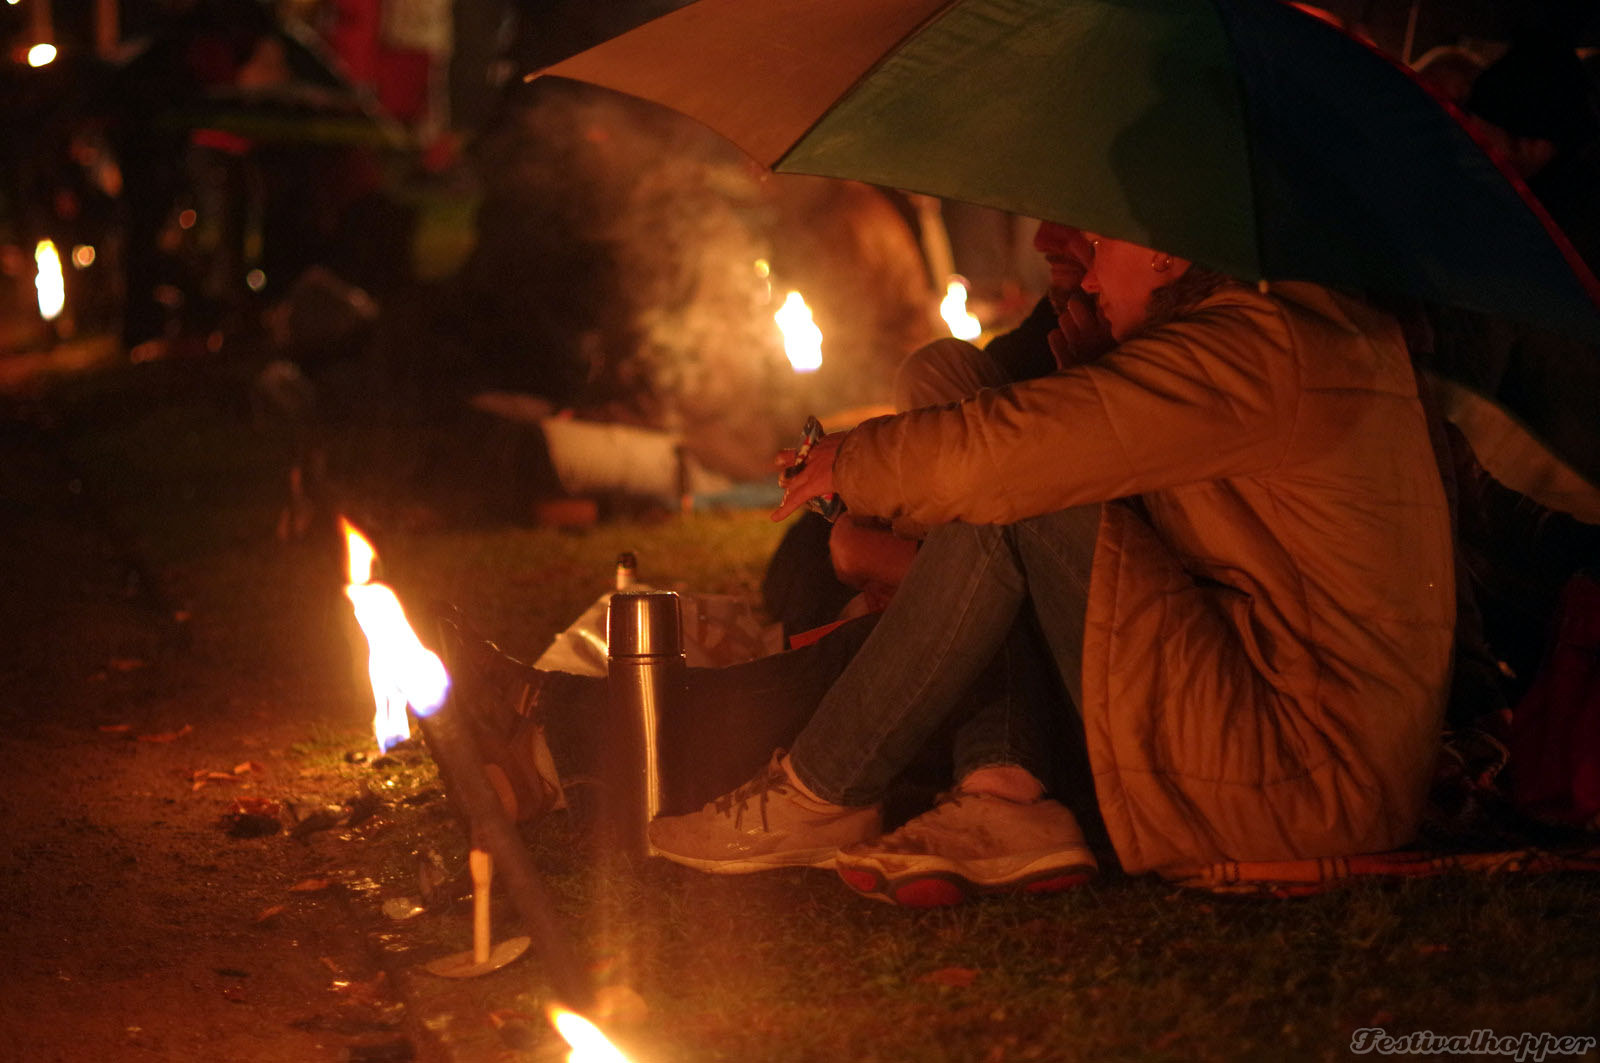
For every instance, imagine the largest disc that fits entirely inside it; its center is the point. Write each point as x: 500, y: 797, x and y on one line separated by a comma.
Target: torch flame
x: 588, y: 1044
x: 49, y: 282
x: 963, y: 326
x: 802, y: 340
x: 403, y: 671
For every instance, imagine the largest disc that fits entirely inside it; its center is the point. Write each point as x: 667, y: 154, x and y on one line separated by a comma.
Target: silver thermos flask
x: 645, y: 683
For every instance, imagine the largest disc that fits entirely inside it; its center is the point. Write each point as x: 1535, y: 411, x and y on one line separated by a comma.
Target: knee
x: 946, y: 370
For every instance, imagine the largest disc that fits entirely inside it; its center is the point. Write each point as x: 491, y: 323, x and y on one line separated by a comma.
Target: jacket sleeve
x: 1210, y: 396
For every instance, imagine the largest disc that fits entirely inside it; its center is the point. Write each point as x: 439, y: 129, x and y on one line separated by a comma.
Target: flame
x: 802, y: 340
x: 588, y: 1044
x: 403, y: 671
x: 52, y: 287
x: 41, y: 55
x: 963, y: 326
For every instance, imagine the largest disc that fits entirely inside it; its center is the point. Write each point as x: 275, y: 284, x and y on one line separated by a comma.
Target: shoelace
x: 760, y: 786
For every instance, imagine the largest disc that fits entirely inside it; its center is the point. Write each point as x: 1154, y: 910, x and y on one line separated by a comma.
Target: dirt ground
x: 132, y: 925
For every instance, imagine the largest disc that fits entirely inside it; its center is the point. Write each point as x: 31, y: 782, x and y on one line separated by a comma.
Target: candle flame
x: 51, y: 285
x: 802, y: 339
x: 403, y: 671
x: 588, y: 1044
x: 41, y: 55
x: 963, y: 326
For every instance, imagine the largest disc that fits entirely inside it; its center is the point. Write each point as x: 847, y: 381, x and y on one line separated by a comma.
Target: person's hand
x: 813, y: 480
x: 1080, y: 335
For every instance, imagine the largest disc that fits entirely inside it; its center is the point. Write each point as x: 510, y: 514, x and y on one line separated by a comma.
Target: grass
x: 791, y: 966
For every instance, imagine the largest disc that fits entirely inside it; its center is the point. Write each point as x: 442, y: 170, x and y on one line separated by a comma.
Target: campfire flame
x: 963, y: 326
x: 403, y: 671
x: 588, y: 1044
x: 802, y: 339
x: 51, y: 285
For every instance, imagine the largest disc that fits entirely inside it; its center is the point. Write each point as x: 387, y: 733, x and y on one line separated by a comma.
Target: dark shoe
x: 968, y: 845
x: 764, y: 824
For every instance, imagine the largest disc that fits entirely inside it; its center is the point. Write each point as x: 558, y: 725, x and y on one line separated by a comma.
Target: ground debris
x: 400, y: 909
x: 203, y: 777
x: 168, y: 736
x: 395, y: 1050
x: 957, y: 977
x: 322, y: 819
x: 518, y: 1030
x: 363, y: 807
x: 252, y: 817
x: 311, y: 885
x: 352, y: 1022
x: 432, y: 878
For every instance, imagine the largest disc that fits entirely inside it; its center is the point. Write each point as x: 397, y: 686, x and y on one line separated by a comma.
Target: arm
x: 1208, y: 397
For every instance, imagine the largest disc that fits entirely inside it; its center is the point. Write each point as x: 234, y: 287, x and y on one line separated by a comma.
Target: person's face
x: 1123, y: 275
x: 1066, y: 250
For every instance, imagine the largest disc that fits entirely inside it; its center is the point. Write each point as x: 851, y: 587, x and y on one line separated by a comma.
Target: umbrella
x: 1246, y: 135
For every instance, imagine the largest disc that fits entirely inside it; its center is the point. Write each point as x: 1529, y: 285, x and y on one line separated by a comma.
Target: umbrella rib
x: 839, y: 100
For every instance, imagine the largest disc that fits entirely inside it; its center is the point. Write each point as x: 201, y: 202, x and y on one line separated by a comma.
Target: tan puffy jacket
x: 1267, y: 655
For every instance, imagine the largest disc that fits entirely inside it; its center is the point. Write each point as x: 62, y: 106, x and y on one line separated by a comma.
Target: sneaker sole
x: 943, y: 889
x: 818, y: 858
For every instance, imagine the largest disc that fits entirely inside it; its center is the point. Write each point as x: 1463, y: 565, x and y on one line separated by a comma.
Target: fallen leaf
x: 951, y: 976
x: 268, y: 913
x: 310, y: 885
x: 124, y: 664
x: 246, y: 767
x: 115, y: 728
x: 203, y: 777
x: 167, y: 736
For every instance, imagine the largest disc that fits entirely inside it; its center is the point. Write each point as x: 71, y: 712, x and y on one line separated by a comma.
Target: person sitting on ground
x: 1233, y: 533
x: 1234, y: 537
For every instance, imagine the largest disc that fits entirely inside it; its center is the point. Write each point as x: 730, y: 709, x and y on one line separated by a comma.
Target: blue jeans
x: 956, y: 638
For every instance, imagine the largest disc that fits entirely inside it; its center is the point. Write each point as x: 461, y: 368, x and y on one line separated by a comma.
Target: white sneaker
x: 764, y: 824
x: 971, y: 844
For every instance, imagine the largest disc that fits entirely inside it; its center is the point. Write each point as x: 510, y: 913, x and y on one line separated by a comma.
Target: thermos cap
x: 644, y: 624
